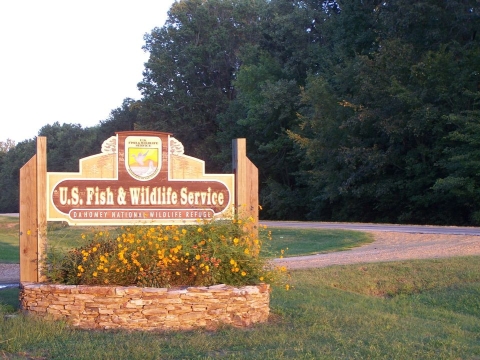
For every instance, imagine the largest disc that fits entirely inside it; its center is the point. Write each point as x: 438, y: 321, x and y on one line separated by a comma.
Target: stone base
x: 111, y: 307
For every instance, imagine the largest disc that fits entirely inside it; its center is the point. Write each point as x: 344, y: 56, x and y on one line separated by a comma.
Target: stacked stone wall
x: 108, y: 307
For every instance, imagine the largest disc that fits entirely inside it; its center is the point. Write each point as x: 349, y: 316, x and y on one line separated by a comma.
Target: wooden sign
x: 139, y: 178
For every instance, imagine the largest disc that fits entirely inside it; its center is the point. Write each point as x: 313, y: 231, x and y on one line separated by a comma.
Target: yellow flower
x: 261, y: 278
x: 232, y: 262
x: 287, y: 287
x: 244, y: 273
x: 235, y: 241
x: 105, y: 270
x: 247, y: 251
x: 94, y: 249
x: 199, y: 230
x: 95, y: 274
x: 197, y: 257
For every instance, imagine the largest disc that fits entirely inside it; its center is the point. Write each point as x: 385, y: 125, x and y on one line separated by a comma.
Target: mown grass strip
x: 296, y: 242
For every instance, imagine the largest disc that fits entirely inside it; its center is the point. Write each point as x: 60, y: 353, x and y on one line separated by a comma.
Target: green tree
x: 67, y: 143
x: 193, y: 60
x: 10, y: 164
x: 268, y: 86
x: 379, y: 160
x: 123, y: 118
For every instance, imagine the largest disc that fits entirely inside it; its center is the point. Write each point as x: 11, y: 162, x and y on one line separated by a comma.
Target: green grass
x: 9, y: 299
x: 9, y: 240
x: 422, y: 309
x: 64, y: 237
x: 297, y: 242
x: 294, y: 242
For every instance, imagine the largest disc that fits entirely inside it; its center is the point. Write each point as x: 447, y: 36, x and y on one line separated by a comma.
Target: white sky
x: 70, y: 61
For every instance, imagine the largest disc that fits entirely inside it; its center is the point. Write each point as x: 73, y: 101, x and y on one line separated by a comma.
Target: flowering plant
x: 211, y: 252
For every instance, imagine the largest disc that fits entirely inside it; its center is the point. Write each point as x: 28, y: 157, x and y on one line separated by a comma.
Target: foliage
x: 374, y: 129
x: 10, y: 164
x: 212, y: 252
x: 347, y: 106
x: 67, y: 143
x: 187, y: 80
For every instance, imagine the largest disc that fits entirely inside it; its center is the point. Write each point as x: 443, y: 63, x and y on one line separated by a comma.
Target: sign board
x: 140, y: 177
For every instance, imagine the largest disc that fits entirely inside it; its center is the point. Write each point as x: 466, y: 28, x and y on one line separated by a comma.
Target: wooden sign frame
x: 176, y: 178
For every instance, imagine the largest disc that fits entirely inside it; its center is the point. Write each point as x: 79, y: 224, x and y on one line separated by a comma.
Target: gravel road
x: 9, y: 273
x: 392, y: 246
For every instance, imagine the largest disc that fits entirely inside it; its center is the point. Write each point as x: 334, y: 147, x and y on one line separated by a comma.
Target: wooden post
x: 33, y: 207
x: 246, y: 183
x: 41, y: 202
x: 28, y: 222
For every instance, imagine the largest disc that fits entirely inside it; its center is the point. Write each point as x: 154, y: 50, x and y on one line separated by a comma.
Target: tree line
x: 352, y: 110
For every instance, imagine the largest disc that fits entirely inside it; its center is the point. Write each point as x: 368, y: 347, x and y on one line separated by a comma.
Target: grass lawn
x: 426, y: 309
x: 296, y: 242
x: 9, y: 239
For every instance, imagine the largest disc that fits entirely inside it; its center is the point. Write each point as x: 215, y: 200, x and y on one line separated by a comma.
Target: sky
x: 70, y: 61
